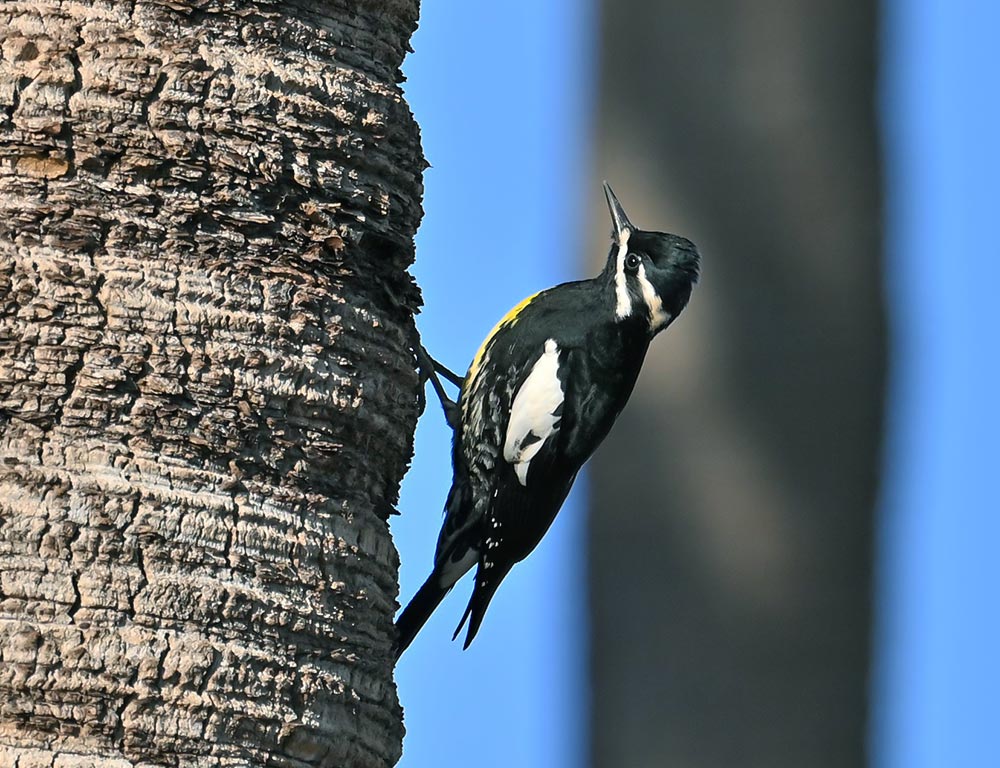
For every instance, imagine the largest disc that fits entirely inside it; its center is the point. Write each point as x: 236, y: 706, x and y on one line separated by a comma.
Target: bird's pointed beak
x: 618, y: 217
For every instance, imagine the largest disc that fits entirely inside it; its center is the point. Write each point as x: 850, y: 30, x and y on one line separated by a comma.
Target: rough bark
x: 733, y: 503
x: 207, y: 396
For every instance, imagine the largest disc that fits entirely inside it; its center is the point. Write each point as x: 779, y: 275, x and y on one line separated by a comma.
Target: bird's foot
x: 428, y: 369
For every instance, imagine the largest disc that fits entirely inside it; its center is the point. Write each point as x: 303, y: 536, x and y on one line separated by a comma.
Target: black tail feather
x: 416, y: 613
x: 486, y: 587
x: 468, y: 610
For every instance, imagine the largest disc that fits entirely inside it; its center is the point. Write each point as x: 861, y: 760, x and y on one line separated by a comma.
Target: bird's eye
x: 632, y: 262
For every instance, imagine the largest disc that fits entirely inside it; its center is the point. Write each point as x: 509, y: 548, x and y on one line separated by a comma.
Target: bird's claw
x: 428, y: 369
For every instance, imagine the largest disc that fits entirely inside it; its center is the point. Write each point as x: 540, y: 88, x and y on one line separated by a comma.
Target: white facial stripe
x: 532, y: 414
x: 658, y: 317
x: 624, y: 305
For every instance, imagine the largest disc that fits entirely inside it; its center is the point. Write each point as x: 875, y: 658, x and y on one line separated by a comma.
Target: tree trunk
x: 731, y: 532
x: 207, y: 396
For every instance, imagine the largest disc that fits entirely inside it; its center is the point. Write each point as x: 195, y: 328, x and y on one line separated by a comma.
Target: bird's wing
x: 559, y: 412
x: 493, y: 383
x: 525, y: 490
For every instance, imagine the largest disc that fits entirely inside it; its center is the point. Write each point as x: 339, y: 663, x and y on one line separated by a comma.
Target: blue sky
x: 937, y: 675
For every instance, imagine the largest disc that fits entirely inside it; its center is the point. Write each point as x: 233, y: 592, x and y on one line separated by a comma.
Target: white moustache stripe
x: 624, y: 306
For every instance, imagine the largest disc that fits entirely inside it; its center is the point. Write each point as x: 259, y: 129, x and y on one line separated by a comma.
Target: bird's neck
x: 618, y: 344
x: 628, y: 311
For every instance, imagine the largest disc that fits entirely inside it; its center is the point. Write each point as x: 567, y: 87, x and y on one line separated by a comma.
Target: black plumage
x: 541, y: 394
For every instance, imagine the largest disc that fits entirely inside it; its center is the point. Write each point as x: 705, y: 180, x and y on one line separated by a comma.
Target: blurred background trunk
x: 207, y: 398
x: 731, y: 516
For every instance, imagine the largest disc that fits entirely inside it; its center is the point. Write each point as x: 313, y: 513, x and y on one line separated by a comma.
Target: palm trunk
x: 207, y: 396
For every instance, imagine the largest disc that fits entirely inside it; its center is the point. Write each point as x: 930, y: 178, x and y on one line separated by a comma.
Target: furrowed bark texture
x: 207, y: 396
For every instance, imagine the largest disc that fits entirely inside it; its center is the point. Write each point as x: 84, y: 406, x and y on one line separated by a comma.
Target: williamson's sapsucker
x: 540, y: 395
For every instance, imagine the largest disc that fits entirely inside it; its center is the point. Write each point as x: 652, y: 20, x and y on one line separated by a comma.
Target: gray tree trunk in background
x: 731, y: 527
x: 207, y: 396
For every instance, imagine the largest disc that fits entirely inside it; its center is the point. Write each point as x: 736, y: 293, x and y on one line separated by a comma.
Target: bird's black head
x: 652, y: 273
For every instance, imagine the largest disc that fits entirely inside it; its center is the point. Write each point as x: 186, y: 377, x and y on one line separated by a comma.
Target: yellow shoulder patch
x: 509, y: 319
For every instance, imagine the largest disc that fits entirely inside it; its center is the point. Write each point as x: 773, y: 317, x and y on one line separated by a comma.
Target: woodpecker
x: 540, y: 395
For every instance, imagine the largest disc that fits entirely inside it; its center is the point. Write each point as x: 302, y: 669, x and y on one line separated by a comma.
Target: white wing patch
x: 658, y: 316
x: 453, y: 570
x: 534, y: 414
